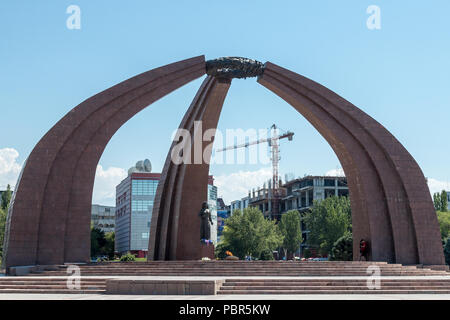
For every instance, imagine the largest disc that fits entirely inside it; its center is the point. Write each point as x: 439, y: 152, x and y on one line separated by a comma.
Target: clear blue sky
x: 399, y: 75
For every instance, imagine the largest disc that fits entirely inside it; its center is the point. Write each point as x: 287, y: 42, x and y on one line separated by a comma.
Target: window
x: 342, y: 182
x: 144, y: 187
x: 141, y: 205
x: 306, y: 183
x: 145, y: 235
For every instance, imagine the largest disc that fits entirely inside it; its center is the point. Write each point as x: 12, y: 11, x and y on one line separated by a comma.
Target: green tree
x: 6, y: 198
x: 444, y: 201
x: 98, y: 241
x: 437, y: 201
x: 247, y: 232
x: 290, y: 228
x: 444, y: 223
x: 108, y: 249
x: 342, y: 249
x: 266, y: 254
x: 327, y: 221
x: 447, y: 251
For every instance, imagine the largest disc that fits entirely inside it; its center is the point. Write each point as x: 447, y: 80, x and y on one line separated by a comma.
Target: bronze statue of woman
x: 205, y: 220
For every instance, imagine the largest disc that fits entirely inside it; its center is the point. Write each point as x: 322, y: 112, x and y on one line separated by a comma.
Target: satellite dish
x: 147, y: 165
x: 140, y: 166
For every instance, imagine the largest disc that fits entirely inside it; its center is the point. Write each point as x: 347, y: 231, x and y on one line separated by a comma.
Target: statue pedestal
x: 207, y: 250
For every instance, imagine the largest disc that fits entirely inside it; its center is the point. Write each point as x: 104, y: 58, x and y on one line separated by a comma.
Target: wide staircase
x: 244, y: 268
x: 51, y: 285
x: 334, y: 286
x: 244, y: 277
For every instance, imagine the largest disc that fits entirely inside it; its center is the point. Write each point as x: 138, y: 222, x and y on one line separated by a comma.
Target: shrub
x: 343, y: 248
x: 266, y: 255
x: 248, y: 232
x: 128, y: 257
x: 220, y: 251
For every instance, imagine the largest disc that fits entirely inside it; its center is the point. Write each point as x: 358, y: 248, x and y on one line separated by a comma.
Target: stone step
x: 53, y: 291
x: 48, y: 281
x: 239, y: 274
x: 191, y: 262
x: 332, y: 283
x: 244, y: 266
x: 333, y: 286
x: 336, y: 271
x: 241, y: 269
x: 251, y: 269
x: 307, y: 291
x: 50, y: 286
x: 345, y: 287
x: 224, y: 271
x: 336, y: 280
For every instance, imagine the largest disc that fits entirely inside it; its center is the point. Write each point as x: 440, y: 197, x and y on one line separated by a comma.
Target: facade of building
x: 103, y: 217
x: 135, y: 197
x: 223, y: 212
x: 134, y: 206
x: 296, y: 194
x: 212, y: 204
x: 239, y: 204
x: 263, y: 199
x: 301, y: 194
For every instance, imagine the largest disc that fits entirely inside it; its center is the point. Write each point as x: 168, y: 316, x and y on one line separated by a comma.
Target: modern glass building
x: 212, y: 204
x: 222, y: 215
x: 134, y: 205
x: 135, y: 196
x: 103, y: 217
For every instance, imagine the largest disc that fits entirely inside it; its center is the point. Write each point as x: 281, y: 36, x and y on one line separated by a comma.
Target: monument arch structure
x: 49, y: 218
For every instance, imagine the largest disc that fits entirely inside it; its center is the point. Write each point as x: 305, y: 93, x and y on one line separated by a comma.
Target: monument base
x: 207, y: 250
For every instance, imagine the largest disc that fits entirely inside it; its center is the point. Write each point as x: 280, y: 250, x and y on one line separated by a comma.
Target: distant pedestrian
x: 364, y: 250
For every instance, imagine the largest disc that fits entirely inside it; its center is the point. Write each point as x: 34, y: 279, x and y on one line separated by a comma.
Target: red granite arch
x: 391, y: 202
x: 183, y: 186
x: 48, y: 221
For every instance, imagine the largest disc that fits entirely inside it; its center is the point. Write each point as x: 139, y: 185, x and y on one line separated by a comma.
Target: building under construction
x: 268, y: 200
x: 298, y: 194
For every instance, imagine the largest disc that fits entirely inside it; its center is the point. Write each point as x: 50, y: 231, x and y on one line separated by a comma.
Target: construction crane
x: 274, y: 144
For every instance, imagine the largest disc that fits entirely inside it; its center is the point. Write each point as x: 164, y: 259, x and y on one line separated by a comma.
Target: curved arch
x: 183, y: 187
x: 381, y: 168
x: 59, y: 173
